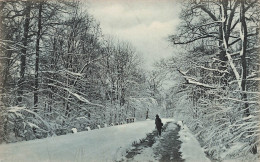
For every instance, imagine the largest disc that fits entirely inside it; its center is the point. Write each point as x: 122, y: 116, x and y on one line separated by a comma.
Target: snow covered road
x: 106, y: 144
x: 110, y: 144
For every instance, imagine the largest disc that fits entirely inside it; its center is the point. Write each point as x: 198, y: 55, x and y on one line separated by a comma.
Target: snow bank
x: 190, y: 147
x: 105, y: 144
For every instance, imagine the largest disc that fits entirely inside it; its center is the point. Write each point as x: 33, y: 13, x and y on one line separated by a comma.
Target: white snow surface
x: 74, y: 130
x: 106, y: 144
x: 190, y: 147
x: 147, y: 154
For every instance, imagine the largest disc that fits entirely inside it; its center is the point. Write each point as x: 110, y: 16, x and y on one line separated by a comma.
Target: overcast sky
x: 144, y: 23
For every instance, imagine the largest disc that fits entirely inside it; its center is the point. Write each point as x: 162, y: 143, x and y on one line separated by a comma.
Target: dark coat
x: 158, y: 123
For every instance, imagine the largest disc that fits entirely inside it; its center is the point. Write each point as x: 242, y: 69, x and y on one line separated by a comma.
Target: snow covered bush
x: 24, y: 124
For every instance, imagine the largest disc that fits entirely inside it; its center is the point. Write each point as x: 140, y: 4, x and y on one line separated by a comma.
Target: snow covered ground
x: 106, y: 144
x: 190, y: 147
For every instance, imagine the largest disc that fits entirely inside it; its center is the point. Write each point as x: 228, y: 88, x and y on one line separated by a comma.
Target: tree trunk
x: 222, y: 55
x: 243, y: 57
x: 24, y: 50
x: 244, y: 65
x: 36, y: 80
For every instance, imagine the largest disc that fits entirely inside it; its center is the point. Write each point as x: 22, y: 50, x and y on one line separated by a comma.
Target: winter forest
x: 60, y: 71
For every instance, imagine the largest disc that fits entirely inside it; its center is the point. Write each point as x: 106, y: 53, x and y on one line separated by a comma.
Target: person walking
x: 159, y: 124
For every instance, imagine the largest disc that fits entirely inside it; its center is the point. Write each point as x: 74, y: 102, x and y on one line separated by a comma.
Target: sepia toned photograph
x: 129, y: 80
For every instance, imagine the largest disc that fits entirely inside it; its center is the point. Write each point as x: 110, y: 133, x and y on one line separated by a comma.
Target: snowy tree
x: 60, y: 72
x: 221, y: 37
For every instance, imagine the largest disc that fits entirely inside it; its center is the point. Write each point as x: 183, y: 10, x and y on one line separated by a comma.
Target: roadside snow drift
x: 190, y: 147
x: 106, y: 144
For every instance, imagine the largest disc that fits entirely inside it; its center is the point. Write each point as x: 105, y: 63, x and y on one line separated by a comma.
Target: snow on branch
x: 73, y: 73
x: 83, y: 99
x: 210, y: 69
x: 200, y: 84
x: 248, y: 50
x: 247, y: 92
x: 79, y: 97
x: 173, y: 39
x: 202, y: 7
x: 230, y: 60
x: 237, y: 100
x: 85, y: 65
x: 251, y: 78
x: 191, y: 80
x: 254, y: 79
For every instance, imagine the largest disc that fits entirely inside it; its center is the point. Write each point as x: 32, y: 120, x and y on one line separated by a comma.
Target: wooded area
x: 220, y: 74
x: 60, y: 72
